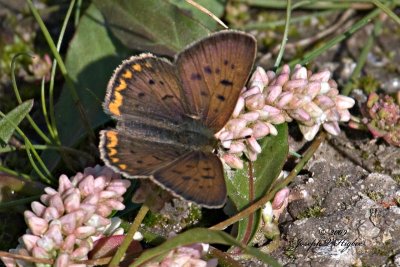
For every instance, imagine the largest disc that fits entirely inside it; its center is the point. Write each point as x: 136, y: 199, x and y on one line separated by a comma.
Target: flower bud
x: 250, y: 116
x: 260, y: 130
x: 255, y: 102
x: 332, y: 127
x: 236, y: 147
x: 233, y: 161
x: 272, y: 93
x: 253, y: 145
x: 37, y: 225
x: 259, y: 78
x: 239, y: 107
x: 344, y: 102
x: 299, y: 73
x: 322, y: 76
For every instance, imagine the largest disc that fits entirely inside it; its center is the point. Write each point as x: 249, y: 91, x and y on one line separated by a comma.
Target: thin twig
x: 320, y: 35
x: 25, y: 258
x: 206, y: 11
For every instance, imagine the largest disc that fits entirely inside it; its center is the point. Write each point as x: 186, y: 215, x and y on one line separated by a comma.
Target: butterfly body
x: 168, y: 113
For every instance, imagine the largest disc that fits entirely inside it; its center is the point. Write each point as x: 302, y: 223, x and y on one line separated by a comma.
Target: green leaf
x: 92, y: 56
x: 200, y: 235
x: 266, y: 169
x: 12, y: 119
x: 216, y: 7
x: 152, y: 25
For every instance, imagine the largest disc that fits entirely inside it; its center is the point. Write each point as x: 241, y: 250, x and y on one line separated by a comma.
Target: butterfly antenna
x: 206, y: 11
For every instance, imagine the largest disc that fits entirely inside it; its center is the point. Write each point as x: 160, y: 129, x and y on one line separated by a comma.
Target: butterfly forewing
x: 213, y: 72
x: 196, y: 176
x: 167, y: 115
x: 145, y: 86
x: 136, y: 157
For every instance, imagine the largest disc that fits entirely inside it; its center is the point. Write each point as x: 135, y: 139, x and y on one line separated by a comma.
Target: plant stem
x: 285, y: 33
x: 15, y: 173
x: 259, y: 203
x: 129, y: 236
x: 18, y: 202
x: 17, y: 95
x: 63, y: 69
x: 53, y: 73
x: 29, y: 147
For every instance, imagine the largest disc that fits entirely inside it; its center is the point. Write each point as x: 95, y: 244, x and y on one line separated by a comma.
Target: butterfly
x: 168, y: 113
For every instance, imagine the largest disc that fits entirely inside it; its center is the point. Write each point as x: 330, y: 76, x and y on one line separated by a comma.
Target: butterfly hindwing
x: 145, y: 86
x: 213, y: 71
x: 196, y: 176
x: 167, y: 114
x: 136, y: 157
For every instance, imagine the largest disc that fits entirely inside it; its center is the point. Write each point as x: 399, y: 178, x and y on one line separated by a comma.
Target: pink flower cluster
x: 312, y: 100
x: 186, y: 256
x: 67, y: 222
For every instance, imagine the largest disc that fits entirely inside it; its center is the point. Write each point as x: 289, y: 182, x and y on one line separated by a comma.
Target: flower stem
x: 129, y: 236
x: 285, y: 33
x: 259, y: 203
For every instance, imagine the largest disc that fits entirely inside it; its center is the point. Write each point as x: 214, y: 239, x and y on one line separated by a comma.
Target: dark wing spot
x: 141, y: 94
x: 132, y: 152
x: 232, y: 66
x: 196, y: 179
x: 204, y: 93
x: 201, y: 187
x: 161, y: 82
x: 177, y: 172
x: 216, y: 110
x: 166, y: 97
x: 151, y: 81
x: 226, y: 62
x: 207, y: 177
x: 225, y: 82
x: 139, y: 161
x: 207, y: 69
x: 217, y: 71
x: 221, y: 97
x: 186, y: 177
x: 189, y: 166
x: 207, y: 168
x: 195, y: 76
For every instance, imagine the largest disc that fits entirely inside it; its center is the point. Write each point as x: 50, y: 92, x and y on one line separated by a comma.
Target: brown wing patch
x: 135, y: 157
x: 197, y: 177
x: 213, y: 72
x: 145, y: 86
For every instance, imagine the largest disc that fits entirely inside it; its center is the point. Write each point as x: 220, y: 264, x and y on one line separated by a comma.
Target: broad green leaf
x: 216, y: 7
x: 151, y: 25
x: 12, y: 119
x: 92, y: 56
x: 266, y: 169
x: 200, y: 235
